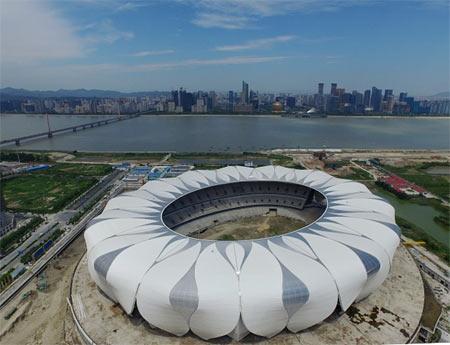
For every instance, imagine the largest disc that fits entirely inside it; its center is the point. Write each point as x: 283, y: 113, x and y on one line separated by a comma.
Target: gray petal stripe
x: 103, y: 262
x: 184, y: 295
x: 247, y: 245
x: 295, y: 293
x: 222, y: 248
x: 240, y: 331
x: 394, y: 227
x: 370, y: 262
x: 176, y: 238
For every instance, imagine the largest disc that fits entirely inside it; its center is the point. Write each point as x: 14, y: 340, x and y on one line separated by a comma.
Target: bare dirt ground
x: 45, y: 320
x: 395, y: 157
x: 252, y: 227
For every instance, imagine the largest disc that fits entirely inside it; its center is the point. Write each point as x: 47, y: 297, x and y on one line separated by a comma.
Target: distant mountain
x: 12, y: 93
x: 445, y: 94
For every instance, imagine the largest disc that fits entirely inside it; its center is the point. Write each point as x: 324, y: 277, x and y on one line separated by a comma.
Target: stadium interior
x: 195, y: 212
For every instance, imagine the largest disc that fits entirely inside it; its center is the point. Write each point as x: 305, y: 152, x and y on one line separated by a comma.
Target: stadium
x: 144, y: 252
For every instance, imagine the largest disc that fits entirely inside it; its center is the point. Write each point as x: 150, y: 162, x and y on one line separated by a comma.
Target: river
x: 229, y: 133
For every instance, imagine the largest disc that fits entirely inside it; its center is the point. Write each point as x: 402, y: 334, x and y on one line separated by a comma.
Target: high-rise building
x: 212, y: 100
x: 290, y: 102
x: 333, y: 89
x: 388, y: 93
x: 410, y: 102
x: 230, y: 100
x: 244, y: 93
x: 321, y: 89
x: 183, y: 100
x: 376, y: 99
x: 402, y: 96
x: 366, y: 98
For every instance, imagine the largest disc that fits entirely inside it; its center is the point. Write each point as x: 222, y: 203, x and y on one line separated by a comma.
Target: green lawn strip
x: 276, y: 159
x: 118, y: 156
x: 226, y: 237
x: 29, y: 157
x: 417, y: 174
x: 358, y: 174
x: 416, y: 233
x: 75, y: 169
x: 41, y: 193
x: 7, y: 242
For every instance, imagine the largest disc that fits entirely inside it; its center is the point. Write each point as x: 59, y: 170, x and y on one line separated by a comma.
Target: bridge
x: 75, y: 128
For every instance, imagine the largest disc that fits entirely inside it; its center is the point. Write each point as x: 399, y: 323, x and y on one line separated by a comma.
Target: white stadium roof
x: 261, y: 286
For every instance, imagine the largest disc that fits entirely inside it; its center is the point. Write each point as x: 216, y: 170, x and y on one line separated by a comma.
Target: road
x: 61, y: 218
x: 59, y: 246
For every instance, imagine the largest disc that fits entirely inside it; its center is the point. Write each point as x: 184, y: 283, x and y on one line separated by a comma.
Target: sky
x: 274, y: 45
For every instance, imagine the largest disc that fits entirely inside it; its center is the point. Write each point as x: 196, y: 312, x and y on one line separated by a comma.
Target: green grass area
x: 49, y: 191
x: 74, y: 169
x: 119, y: 156
x: 438, y: 185
x: 8, y: 242
x: 29, y: 157
x: 358, y: 174
x: 227, y: 237
x: 418, y: 234
x: 211, y: 160
x: 43, y: 193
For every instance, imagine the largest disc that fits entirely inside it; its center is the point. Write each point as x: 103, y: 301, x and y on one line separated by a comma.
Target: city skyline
x: 338, y: 100
x: 280, y: 46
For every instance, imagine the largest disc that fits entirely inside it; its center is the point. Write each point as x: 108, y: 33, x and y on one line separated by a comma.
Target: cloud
x: 153, y: 53
x: 242, y: 14
x: 105, y: 32
x: 233, y: 60
x: 255, y: 44
x: 218, y: 20
x: 128, y: 68
x: 130, y: 6
x: 31, y: 31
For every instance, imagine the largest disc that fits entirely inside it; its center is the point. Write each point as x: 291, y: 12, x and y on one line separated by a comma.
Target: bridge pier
x: 17, y: 142
x: 74, y: 129
x: 50, y: 134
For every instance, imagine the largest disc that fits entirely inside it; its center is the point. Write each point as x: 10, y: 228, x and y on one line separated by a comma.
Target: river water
x: 229, y: 133
x: 420, y: 215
